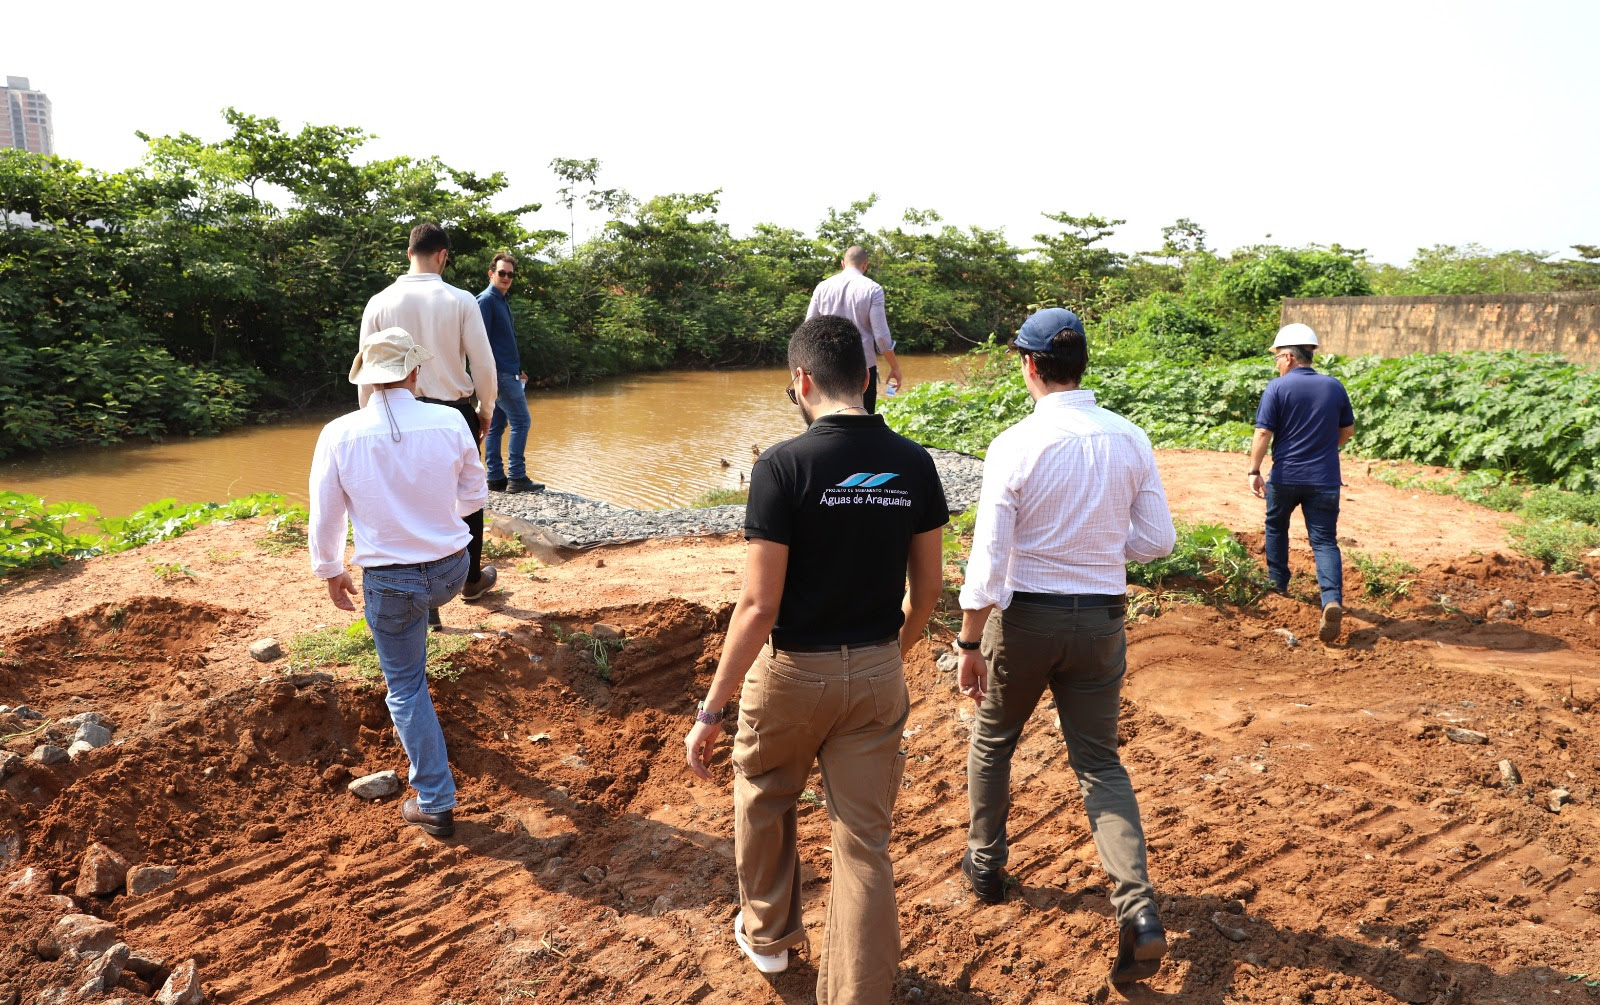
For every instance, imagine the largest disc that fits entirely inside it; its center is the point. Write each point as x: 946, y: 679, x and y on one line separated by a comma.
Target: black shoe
x: 485, y: 583
x: 438, y: 824
x: 523, y: 485
x: 497, y: 485
x: 434, y: 624
x: 1141, y: 943
x: 988, y: 884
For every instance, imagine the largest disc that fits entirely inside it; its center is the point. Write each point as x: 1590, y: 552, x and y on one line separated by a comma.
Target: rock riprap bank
x: 564, y: 520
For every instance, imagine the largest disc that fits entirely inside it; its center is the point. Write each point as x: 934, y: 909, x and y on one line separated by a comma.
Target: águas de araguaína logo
x: 865, y: 488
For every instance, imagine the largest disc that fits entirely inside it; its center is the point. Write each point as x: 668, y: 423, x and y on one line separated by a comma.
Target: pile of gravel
x: 564, y: 520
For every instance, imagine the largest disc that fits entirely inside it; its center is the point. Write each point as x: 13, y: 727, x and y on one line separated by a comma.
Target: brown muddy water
x: 647, y: 441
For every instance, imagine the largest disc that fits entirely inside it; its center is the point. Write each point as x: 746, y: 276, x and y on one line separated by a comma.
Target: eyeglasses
x: 503, y: 274
x: 790, y: 389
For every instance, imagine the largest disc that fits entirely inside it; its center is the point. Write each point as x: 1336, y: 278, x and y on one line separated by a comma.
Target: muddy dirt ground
x: 1316, y: 835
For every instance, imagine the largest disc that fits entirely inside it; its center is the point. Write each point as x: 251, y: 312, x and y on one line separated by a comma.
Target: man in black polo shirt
x: 837, y: 518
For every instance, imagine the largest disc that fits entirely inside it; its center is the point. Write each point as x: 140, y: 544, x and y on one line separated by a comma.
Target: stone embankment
x: 563, y: 520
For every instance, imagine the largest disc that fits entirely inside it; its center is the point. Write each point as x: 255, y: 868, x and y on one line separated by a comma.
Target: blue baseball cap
x: 1043, y: 326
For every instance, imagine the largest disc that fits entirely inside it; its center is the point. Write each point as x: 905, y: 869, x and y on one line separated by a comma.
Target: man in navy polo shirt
x: 1305, y: 418
x: 511, y: 405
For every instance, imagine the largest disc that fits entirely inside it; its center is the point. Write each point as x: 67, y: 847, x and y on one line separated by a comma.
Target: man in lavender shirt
x: 850, y: 294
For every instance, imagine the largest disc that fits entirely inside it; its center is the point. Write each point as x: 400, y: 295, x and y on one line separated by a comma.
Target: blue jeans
x: 1319, y: 504
x: 510, y: 408
x: 398, y: 598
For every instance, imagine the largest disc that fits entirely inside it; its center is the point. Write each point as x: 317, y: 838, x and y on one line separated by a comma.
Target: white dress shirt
x: 445, y: 321
x: 393, y: 492
x: 1070, y: 495
x: 850, y: 294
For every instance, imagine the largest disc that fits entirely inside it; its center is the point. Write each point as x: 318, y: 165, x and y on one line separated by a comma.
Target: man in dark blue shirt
x: 1305, y: 417
x: 511, y: 405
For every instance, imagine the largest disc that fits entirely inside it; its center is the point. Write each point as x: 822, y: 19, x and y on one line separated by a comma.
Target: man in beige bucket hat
x: 382, y: 466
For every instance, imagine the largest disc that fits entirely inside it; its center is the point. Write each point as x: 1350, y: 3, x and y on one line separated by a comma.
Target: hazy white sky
x: 1385, y: 125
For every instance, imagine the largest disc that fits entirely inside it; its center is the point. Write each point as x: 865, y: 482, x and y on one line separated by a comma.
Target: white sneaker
x: 775, y: 964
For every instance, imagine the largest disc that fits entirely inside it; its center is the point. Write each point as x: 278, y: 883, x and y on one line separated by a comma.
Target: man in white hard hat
x: 1305, y: 417
x: 405, y: 472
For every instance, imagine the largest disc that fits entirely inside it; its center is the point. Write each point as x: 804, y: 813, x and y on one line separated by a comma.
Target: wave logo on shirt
x: 867, y: 480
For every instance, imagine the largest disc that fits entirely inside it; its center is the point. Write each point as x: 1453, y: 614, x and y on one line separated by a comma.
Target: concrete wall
x: 1565, y: 323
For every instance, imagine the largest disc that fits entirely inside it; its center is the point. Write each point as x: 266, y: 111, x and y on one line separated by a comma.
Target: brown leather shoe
x: 438, y: 824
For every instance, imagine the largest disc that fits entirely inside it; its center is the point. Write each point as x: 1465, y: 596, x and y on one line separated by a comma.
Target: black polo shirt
x: 846, y: 496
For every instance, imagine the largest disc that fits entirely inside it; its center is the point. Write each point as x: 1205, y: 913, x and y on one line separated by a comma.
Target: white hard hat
x: 1295, y: 334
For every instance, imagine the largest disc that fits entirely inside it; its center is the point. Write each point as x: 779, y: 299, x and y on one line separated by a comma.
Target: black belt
x: 1071, y: 601
x: 420, y: 565
x: 453, y: 403
x: 834, y: 647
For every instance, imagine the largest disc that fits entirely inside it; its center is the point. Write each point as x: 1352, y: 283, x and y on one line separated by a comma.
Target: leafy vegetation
x: 35, y: 534
x: 722, y: 497
x: 1384, y: 576
x: 178, y: 298
x: 1208, y: 559
x: 496, y: 547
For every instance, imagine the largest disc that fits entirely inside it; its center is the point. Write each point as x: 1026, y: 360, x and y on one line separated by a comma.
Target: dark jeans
x: 1080, y: 655
x: 1319, y: 504
x: 473, y: 521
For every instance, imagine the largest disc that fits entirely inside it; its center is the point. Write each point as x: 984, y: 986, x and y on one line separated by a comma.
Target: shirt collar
x: 393, y: 393
x: 492, y: 288
x: 851, y: 270
x: 1080, y: 398
x: 841, y: 419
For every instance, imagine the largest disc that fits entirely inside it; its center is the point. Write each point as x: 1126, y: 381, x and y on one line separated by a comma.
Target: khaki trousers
x: 845, y: 708
x: 1080, y: 655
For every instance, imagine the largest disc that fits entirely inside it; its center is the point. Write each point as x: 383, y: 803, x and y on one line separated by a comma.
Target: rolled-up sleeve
x: 994, y: 533
x: 880, y: 322
x: 1151, y: 534
x: 326, y: 527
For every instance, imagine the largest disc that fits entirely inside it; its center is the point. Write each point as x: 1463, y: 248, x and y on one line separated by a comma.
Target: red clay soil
x: 1315, y: 833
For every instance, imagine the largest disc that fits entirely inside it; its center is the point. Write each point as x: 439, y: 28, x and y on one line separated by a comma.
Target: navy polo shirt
x: 1304, y: 410
x: 502, y: 336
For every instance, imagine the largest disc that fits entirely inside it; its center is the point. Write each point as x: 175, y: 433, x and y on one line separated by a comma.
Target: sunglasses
x: 503, y: 274
x: 790, y: 389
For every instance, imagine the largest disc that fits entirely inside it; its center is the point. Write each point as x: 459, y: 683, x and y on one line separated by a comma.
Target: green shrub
x: 1561, y: 544
x: 1211, y: 553
x: 1384, y: 576
x: 353, y: 647
x: 722, y: 497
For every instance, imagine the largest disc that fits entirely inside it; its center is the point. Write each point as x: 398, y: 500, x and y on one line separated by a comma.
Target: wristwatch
x: 968, y: 646
x: 705, y: 715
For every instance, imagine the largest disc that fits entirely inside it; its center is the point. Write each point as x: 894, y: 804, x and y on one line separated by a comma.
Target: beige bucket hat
x: 388, y: 357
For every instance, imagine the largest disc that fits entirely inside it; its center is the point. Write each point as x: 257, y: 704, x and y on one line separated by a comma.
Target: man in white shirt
x: 850, y: 294
x: 383, y: 466
x: 445, y: 321
x: 1070, y: 495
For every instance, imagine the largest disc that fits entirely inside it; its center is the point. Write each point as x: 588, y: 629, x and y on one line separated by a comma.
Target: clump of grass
x: 722, y: 497
x: 1207, y: 552
x: 1384, y: 576
x: 168, y: 571
x: 503, y: 547
x: 810, y: 797
x: 353, y: 648
x: 1561, y: 544
x: 286, y: 533
x: 600, y: 650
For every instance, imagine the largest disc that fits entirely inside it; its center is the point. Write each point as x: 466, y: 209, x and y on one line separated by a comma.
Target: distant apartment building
x: 27, y: 123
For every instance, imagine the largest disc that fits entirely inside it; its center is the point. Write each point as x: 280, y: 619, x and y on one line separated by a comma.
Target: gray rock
x: 144, y: 878
x: 10, y: 764
x: 1466, y: 736
x: 1557, y: 799
x: 24, y: 712
x: 83, y: 934
x: 48, y: 753
x: 183, y: 987
x: 1289, y: 638
x: 29, y: 883
x: 146, y: 968
x: 78, y: 749
x: 84, y: 719
x: 948, y: 662
x: 265, y: 650
x: 102, y: 973
x: 376, y: 785
x: 1228, y: 931
x: 1540, y: 612
x: 92, y: 733
x: 1509, y: 775
x: 601, y: 630
x: 102, y: 871
x: 594, y: 874
x: 10, y: 849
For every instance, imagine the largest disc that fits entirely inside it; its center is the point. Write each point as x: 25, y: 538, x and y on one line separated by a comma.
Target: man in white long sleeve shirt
x: 447, y: 323
x: 1070, y: 494
x: 404, y: 472
x: 850, y: 294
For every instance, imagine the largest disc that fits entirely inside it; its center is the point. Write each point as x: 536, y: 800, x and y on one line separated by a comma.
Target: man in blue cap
x: 1070, y: 495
